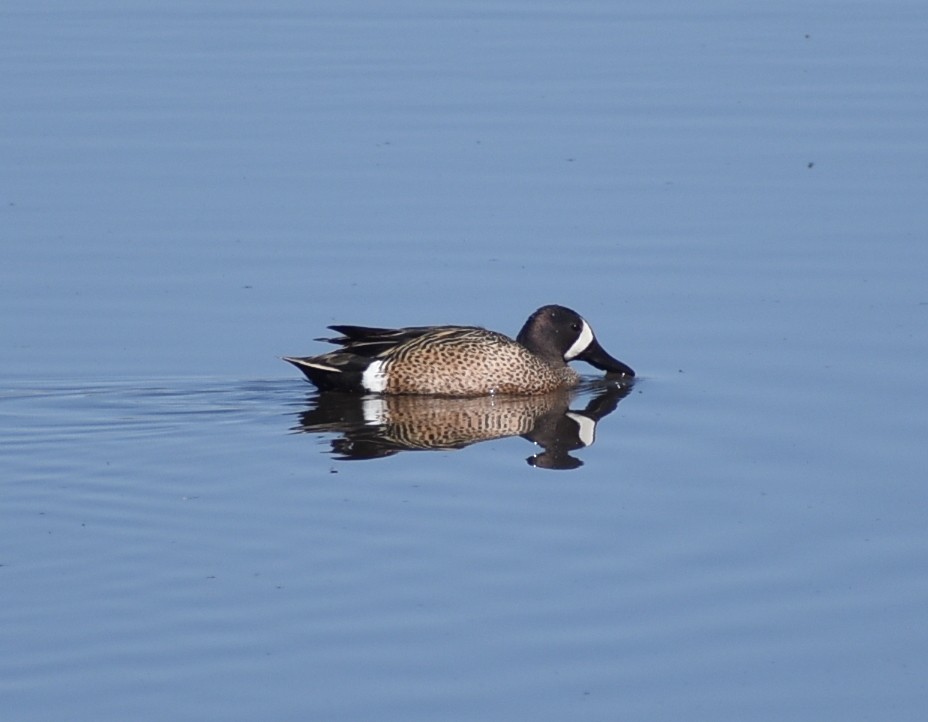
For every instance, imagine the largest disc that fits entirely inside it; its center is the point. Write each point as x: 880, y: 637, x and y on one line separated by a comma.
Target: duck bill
x: 596, y: 355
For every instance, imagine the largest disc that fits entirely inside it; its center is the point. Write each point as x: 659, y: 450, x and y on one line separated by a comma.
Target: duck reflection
x: 373, y: 427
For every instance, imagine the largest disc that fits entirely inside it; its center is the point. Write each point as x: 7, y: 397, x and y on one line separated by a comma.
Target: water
x: 732, y: 196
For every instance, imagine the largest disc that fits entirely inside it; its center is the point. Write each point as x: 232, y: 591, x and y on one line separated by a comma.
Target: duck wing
x: 370, y: 341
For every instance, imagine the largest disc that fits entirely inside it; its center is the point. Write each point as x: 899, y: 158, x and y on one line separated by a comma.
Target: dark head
x: 559, y: 335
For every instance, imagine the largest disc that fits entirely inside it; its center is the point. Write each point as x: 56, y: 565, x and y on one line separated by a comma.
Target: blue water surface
x: 733, y: 195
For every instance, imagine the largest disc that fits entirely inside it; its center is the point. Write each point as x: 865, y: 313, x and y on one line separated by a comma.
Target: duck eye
x: 575, y: 326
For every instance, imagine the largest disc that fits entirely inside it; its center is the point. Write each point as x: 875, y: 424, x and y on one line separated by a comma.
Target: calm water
x: 734, y: 197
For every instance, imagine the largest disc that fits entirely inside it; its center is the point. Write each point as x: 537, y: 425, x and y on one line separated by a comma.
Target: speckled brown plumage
x: 466, y: 361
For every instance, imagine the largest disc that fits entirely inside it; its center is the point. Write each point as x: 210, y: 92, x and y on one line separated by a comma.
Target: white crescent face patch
x: 581, y: 344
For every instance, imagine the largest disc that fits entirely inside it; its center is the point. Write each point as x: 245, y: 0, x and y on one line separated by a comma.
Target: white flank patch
x: 580, y: 345
x: 374, y: 410
x: 374, y: 379
x: 587, y: 428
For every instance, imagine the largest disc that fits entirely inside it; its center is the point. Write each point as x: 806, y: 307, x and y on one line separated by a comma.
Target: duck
x: 462, y: 361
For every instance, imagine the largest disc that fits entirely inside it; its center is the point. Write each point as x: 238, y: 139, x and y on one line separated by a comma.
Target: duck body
x: 460, y: 360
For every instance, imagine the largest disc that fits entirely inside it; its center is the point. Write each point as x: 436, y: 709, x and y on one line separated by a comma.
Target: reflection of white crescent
x: 586, y: 427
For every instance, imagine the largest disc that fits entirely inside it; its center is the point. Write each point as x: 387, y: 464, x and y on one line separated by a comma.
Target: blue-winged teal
x: 461, y: 360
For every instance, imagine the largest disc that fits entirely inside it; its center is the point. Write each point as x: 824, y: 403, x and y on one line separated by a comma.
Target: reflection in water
x: 373, y: 427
